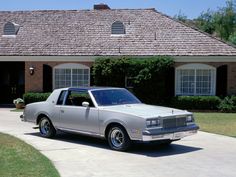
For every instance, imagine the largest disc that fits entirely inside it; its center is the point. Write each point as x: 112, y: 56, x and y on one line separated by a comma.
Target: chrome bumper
x: 174, y: 135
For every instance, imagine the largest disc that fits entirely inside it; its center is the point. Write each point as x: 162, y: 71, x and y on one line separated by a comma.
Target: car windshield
x: 110, y: 97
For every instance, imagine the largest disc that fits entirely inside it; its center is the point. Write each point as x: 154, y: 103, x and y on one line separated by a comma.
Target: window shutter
x: 47, y: 78
x: 170, y: 82
x: 221, y: 80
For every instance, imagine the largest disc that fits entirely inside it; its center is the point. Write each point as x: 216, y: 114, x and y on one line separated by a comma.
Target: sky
x: 190, y: 8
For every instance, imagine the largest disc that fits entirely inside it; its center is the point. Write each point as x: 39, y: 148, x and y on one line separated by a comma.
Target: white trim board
x: 49, y: 58
x: 205, y: 59
x: 92, y: 58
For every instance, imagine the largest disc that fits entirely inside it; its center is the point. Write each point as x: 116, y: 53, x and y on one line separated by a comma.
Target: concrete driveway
x: 202, y: 155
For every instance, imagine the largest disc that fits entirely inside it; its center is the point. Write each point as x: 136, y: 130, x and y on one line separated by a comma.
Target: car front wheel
x: 46, y: 128
x: 118, y: 138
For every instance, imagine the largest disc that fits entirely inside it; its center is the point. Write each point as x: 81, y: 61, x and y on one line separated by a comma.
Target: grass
x: 219, y: 123
x: 17, y: 110
x: 19, y: 159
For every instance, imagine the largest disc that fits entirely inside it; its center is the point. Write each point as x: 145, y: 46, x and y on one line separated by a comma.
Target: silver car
x: 114, y: 114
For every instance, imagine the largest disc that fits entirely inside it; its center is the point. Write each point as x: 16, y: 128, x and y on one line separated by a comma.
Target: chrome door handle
x: 62, y: 111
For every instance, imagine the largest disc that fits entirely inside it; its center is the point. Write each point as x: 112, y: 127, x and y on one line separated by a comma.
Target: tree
x: 232, y: 38
x: 205, y: 22
x: 181, y: 17
x: 225, y: 20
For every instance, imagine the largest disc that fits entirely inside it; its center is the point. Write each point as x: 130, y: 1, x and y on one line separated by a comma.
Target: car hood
x: 145, y: 111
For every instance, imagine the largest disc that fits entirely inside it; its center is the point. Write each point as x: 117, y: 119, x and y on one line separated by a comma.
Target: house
x: 47, y: 49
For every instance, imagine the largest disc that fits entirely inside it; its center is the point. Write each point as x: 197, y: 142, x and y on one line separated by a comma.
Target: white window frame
x: 195, y: 67
x: 70, y: 66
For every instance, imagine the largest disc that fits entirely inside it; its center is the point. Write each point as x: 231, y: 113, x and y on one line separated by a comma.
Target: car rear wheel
x: 118, y: 138
x: 46, y: 128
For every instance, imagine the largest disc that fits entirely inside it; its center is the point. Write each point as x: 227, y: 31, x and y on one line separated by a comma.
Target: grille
x: 174, y: 122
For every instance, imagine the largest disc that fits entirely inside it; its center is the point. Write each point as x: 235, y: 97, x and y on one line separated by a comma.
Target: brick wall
x: 231, y: 78
x: 231, y: 88
x: 34, y: 83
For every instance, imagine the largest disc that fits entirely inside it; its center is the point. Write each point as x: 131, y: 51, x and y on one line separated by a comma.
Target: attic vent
x: 117, y: 28
x: 11, y: 28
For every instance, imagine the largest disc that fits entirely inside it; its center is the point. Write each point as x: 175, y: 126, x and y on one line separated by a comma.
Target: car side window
x: 61, y: 97
x: 76, y: 98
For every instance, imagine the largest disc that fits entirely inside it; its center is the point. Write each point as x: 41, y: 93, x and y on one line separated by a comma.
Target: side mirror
x: 85, y: 104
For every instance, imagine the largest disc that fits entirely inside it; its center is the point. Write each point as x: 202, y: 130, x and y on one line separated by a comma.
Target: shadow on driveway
x: 146, y: 149
x: 158, y: 150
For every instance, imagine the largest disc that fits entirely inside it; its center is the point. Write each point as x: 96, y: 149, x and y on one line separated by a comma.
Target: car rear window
x: 76, y: 98
x: 61, y: 97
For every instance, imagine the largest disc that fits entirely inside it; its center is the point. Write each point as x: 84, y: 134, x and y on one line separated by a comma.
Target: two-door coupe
x: 111, y: 113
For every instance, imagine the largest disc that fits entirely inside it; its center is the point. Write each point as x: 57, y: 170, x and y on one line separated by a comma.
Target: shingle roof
x: 88, y: 32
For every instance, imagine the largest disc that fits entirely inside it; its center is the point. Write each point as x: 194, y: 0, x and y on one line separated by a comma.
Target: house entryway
x: 12, y: 81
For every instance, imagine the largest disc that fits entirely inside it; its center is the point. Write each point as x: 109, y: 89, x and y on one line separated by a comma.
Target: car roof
x: 88, y: 88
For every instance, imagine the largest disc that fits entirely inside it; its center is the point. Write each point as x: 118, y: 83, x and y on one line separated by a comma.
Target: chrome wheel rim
x: 117, y: 138
x: 45, y: 127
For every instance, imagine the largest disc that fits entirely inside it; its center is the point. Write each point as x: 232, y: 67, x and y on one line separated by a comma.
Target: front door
x: 74, y: 116
x: 12, y: 80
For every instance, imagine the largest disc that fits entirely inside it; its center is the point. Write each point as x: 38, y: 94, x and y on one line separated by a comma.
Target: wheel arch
x: 40, y: 116
x: 112, y: 124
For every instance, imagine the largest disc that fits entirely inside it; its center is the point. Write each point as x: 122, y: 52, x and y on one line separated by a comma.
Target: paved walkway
x: 202, y: 155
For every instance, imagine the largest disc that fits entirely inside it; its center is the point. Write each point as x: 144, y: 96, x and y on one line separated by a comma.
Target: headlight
x: 153, y: 123
x: 190, y: 118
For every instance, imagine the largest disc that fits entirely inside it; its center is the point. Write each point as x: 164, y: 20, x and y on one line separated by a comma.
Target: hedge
x: 35, y: 97
x: 227, y: 104
x: 196, y: 102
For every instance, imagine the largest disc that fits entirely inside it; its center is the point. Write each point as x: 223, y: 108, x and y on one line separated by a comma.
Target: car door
x: 75, y: 117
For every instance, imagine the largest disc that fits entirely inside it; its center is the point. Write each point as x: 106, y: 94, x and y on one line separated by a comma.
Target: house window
x: 195, y: 79
x: 117, y: 28
x: 71, y: 75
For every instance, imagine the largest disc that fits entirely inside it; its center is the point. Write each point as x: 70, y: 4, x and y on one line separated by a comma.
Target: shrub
x: 228, y: 104
x: 196, y: 102
x: 35, y: 97
x: 149, y: 76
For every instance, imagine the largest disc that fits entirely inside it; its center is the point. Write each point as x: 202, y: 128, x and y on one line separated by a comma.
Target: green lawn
x: 18, y: 159
x: 17, y: 110
x: 219, y: 123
